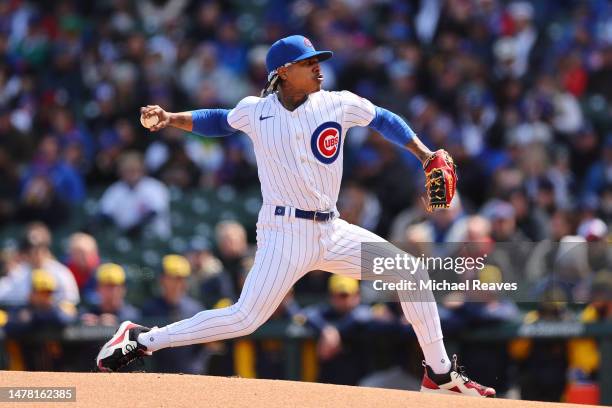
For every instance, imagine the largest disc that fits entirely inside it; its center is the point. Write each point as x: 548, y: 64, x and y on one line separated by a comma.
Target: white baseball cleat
x: 455, y: 382
x: 122, y: 348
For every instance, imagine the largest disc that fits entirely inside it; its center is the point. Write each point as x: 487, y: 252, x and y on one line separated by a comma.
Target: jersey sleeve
x: 241, y: 116
x: 358, y: 111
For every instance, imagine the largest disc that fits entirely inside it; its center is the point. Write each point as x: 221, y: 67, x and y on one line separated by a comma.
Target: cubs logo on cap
x: 326, y: 141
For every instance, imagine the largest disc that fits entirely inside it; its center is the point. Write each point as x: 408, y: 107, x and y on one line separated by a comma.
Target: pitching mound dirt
x: 137, y: 390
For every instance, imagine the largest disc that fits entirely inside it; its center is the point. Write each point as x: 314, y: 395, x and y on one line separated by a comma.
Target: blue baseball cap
x: 292, y: 49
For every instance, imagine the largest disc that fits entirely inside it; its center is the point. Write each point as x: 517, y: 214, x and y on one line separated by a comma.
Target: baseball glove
x: 440, y: 180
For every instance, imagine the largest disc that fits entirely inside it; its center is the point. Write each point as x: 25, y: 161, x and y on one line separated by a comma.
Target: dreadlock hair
x: 271, y: 85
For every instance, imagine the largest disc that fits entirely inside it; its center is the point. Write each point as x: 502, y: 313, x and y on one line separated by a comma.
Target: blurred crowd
x: 519, y: 92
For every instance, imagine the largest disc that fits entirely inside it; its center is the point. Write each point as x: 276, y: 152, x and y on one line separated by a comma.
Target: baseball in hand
x: 149, y: 121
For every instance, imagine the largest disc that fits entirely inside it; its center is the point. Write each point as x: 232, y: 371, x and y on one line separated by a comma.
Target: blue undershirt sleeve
x: 391, y: 127
x: 211, y: 122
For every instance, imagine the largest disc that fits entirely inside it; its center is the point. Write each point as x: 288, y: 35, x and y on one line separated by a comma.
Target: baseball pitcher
x: 298, y: 131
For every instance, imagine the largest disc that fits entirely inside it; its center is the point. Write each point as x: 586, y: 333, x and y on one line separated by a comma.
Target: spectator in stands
x: 35, y: 251
x: 606, y: 205
x: 49, y: 186
x: 385, y: 166
x: 481, y: 243
x: 531, y: 220
x: 167, y: 158
x: 111, y: 308
x: 179, y: 170
x: 503, y: 221
x: 82, y: 260
x: 48, y: 162
x: 345, y: 328
x: 524, y: 37
x: 9, y: 259
x: 595, y: 233
x: 571, y: 263
x: 17, y: 144
x: 482, y: 309
x: 561, y: 224
x: 29, y: 323
x: 172, y: 305
x: 540, y: 265
x: 214, y: 283
x: 201, y: 77
x: 9, y: 188
x: 543, y: 362
x: 585, y: 152
x: 359, y: 207
x: 232, y: 249
x: 562, y: 179
x: 115, y: 137
x: 584, y: 356
x: 340, y: 355
x: 74, y: 141
x: 600, y: 172
x: 513, y: 243
x: 445, y: 226
x: 107, y: 307
x: 39, y: 201
x: 236, y: 170
x: 136, y: 201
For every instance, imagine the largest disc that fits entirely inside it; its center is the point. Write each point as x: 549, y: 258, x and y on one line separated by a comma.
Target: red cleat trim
x: 102, y: 368
x: 120, y: 338
x: 428, y: 383
x: 481, y: 389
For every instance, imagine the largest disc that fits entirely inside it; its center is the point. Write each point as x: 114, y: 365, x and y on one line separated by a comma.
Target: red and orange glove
x: 440, y: 180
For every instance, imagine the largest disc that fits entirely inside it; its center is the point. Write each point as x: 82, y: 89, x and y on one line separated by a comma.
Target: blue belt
x: 307, y: 215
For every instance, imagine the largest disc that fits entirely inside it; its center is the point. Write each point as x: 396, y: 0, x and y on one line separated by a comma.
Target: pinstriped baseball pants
x: 288, y: 248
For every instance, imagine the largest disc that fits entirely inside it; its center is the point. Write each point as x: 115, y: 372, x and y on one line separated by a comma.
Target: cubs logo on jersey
x: 326, y: 141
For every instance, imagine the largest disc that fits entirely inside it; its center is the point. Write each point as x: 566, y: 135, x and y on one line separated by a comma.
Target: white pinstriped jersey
x: 299, y: 153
